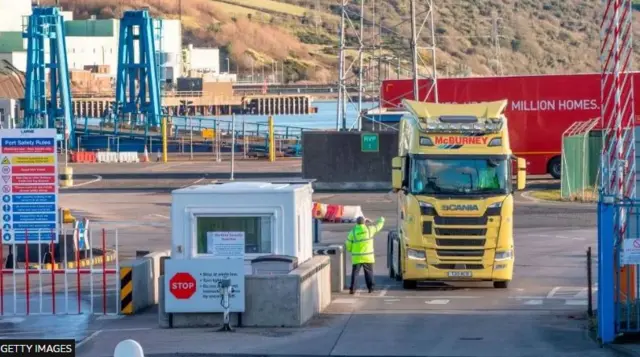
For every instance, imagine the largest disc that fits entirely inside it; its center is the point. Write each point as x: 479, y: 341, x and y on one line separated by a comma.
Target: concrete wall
x: 336, y: 162
x: 144, y: 288
x: 287, y: 300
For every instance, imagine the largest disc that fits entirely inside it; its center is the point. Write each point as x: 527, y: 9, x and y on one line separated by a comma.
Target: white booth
x: 275, y: 218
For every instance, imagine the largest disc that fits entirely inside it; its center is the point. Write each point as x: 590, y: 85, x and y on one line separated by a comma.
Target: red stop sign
x: 182, y: 286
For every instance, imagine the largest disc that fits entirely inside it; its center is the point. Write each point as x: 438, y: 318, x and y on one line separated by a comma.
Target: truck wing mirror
x: 521, y: 177
x: 397, y: 171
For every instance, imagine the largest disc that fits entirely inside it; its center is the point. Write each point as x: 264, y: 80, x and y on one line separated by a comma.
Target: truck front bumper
x: 501, y: 270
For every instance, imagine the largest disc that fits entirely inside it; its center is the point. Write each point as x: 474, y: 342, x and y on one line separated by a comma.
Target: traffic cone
x: 145, y: 157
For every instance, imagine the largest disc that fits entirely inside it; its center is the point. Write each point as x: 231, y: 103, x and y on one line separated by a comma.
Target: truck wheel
x: 555, y: 168
x: 409, y: 284
x: 390, y: 238
x: 399, y: 273
x: 501, y: 284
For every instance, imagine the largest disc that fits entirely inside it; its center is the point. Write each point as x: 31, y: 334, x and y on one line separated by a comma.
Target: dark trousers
x: 368, y: 275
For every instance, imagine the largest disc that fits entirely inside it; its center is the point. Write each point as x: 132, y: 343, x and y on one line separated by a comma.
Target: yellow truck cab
x: 453, y: 178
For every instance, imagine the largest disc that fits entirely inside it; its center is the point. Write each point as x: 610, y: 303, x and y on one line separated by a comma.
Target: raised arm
x: 374, y: 229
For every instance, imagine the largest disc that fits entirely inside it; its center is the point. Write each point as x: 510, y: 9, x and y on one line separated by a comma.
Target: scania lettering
x: 455, y: 207
x: 460, y: 208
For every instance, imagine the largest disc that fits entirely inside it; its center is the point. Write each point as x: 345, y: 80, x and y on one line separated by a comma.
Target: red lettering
x: 461, y: 140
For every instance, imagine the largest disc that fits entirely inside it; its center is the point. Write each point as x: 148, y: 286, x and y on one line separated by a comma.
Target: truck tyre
x: 390, y: 238
x: 555, y: 168
x: 399, y: 273
x: 409, y: 284
x: 501, y: 284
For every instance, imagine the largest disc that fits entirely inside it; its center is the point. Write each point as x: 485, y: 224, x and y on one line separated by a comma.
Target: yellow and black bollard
x: 66, y: 178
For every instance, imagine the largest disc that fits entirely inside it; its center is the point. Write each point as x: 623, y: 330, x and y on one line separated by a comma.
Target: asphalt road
x: 541, y: 314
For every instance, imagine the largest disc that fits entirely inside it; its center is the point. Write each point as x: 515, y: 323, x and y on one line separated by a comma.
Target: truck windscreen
x: 459, y: 176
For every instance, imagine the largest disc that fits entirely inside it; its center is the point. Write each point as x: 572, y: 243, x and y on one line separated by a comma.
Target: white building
x: 89, y: 42
x: 205, y: 60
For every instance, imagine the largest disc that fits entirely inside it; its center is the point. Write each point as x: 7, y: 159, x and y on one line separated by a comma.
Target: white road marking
x: 98, y: 178
x: 437, y: 302
x: 109, y: 317
x: 89, y: 338
x: 384, y: 291
x: 12, y: 320
x: 391, y: 300
x: 194, y: 182
x: 159, y: 215
x: 553, y: 292
x: 344, y: 301
x: 576, y: 302
x: 533, y: 302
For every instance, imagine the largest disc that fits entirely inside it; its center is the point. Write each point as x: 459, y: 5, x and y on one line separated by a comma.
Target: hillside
x: 548, y: 36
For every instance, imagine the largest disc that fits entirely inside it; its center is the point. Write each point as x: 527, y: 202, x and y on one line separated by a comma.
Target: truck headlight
x: 416, y: 254
x: 504, y: 255
x: 494, y: 209
x: 426, y: 205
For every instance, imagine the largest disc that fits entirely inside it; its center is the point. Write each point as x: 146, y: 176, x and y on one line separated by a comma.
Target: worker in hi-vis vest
x: 360, y: 244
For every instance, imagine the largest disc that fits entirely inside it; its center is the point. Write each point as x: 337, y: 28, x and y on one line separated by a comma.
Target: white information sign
x: 630, y: 251
x: 192, y: 285
x: 226, y: 244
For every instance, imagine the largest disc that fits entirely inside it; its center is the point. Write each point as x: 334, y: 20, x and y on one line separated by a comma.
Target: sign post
x: 29, y: 168
x: 369, y: 142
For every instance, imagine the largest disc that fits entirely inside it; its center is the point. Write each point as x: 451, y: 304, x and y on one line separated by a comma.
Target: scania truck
x: 454, y: 180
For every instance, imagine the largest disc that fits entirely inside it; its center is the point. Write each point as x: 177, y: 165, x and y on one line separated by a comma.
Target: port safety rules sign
x: 29, y: 184
x: 37, y: 348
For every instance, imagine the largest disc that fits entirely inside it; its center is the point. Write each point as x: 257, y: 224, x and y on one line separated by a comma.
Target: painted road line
x: 109, y: 317
x: 98, y: 178
x: 343, y: 301
x: 437, y: 302
x: 12, y: 320
x: 576, y: 302
x: 533, y: 302
x: 384, y: 291
x: 367, y: 296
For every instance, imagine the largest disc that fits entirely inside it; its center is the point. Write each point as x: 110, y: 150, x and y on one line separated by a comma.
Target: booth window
x: 257, y: 231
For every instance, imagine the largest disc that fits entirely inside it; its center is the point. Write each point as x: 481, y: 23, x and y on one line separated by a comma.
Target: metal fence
x: 581, y: 148
x: 195, y: 137
x: 618, y: 259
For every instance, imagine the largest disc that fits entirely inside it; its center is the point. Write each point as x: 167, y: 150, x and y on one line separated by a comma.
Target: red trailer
x: 541, y: 107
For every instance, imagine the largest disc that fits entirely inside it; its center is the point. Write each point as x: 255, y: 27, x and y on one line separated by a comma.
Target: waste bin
x: 274, y: 264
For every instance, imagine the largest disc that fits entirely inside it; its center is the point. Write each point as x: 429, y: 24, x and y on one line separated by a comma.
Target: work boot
x: 351, y: 291
x: 370, y: 290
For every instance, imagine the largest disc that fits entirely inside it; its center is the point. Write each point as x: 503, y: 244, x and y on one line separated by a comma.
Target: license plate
x: 460, y: 274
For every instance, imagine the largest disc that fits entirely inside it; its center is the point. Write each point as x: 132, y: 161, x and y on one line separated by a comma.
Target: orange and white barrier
x: 336, y: 213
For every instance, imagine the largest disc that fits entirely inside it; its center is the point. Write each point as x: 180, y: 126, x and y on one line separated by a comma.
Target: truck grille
x: 461, y: 221
x: 461, y: 231
x: 462, y: 253
x: 459, y: 266
x: 447, y: 242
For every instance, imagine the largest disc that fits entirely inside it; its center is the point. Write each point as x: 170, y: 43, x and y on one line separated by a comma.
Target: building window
x: 257, y: 231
